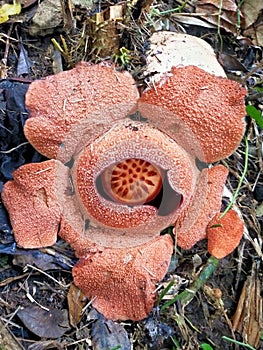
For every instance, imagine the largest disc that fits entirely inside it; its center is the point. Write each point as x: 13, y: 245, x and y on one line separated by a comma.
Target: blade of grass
x: 238, y: 343
x: 187, y: 295
x: 165, y: 291
x: 240, y: 180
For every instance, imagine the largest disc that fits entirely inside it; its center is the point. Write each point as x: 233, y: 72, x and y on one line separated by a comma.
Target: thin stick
x: 46, y: 274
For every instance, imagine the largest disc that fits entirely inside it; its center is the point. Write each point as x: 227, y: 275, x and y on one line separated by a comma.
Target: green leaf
x: 255, y: 114
x: 206, y: 346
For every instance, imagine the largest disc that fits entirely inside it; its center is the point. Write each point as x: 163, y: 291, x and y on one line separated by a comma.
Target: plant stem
x: 187, y: 295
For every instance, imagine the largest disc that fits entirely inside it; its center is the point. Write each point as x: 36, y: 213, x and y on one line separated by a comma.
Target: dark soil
x: 43, y: 277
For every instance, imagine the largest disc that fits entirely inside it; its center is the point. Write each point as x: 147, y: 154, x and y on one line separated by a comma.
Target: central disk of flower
x: 132, y: 181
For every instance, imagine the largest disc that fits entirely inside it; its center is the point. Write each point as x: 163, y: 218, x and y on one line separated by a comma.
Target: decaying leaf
x: 107, y: 334
x: 191, y: 20
x: 251, y: 10
x: 255, y: 31
x: 44, y: 260
x: 231, y: 63
x: 24, y: 62
x: 9, y: 10
x: 76, y: 301
x: 222, y: 13
x: 5, y: 226
x: 248, y: 318
x: 48, y: 324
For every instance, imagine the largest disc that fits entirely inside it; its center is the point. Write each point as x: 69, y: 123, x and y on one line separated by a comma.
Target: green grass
x: 238, y: 343
x: 240, y: 180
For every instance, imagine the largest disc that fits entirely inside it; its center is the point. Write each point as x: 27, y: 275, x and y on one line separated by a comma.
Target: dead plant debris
x: 230, y: 304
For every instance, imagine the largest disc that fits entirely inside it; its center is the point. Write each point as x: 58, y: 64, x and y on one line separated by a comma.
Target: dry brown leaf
x: 248, y: 318
x: 251, y: 10
x: 209, y: 11
x: 191, y: 20
x: 255, y: 31
x: 76, y: 302
x: 227, y: 5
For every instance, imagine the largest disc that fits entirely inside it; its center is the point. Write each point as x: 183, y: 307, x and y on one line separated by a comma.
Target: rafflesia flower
x: 122, y: 169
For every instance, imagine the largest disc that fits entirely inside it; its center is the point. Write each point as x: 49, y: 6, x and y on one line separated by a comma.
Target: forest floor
x: 36, y: 285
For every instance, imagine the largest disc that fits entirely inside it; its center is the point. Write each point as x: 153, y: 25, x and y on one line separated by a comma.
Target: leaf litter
x: 45, y: 323
x: 240, y: 29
